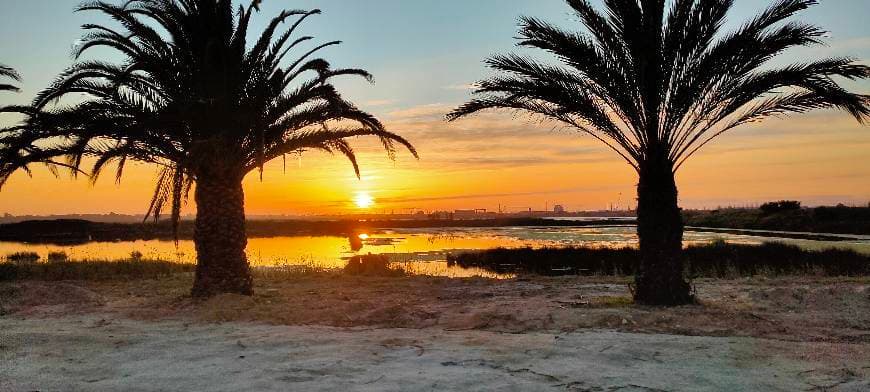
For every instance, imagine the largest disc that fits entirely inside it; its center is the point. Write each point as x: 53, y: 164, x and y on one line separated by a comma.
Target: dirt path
x: 99, y: 353
x: 335, y: 332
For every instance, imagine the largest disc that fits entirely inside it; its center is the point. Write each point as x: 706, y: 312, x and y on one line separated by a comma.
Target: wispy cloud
x: 429, y: 111
x: 461, y: 87
x: 380, y: 102
x: 497, y: 195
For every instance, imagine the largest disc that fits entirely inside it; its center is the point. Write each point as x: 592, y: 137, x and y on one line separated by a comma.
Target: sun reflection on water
x: 420, y: 251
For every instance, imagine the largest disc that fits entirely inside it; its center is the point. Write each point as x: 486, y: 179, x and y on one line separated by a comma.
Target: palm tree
x: 200, y: 102
x: 657, y: 85
x: 7, y: 72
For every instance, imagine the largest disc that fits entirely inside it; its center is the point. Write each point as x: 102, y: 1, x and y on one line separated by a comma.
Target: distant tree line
x: 787, y: 216
x: 780, y: 206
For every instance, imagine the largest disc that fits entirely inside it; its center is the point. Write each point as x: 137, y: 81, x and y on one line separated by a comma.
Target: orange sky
x: 820, y: 158
x: 424, y: 55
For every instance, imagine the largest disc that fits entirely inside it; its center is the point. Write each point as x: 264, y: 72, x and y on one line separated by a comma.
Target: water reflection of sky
x: 421, y: 250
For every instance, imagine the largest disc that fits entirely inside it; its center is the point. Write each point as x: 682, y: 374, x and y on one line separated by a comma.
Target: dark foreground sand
x: 400, y: 334
x: 91, y: 353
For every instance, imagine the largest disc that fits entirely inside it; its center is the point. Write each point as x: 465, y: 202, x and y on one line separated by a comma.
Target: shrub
x: 23, y: 257
x: 136, y: 255
x: 57, y: 257
x: 372, y: 265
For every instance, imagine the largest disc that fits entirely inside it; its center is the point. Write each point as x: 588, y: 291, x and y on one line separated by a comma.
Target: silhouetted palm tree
x: 657, y: 85
x: 9, y: 73
x: 194, y: 97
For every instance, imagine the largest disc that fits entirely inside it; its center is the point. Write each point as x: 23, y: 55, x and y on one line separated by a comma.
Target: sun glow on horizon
x: 363, y: 200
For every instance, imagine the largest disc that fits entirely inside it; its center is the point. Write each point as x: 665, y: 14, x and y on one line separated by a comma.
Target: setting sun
x: 363, y: 200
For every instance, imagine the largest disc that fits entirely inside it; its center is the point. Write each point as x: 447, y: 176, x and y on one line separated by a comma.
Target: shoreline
x: 66, y: 233
x: 71, y: 232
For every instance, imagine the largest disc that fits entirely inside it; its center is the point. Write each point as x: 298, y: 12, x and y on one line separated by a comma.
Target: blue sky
x: 417, y: 49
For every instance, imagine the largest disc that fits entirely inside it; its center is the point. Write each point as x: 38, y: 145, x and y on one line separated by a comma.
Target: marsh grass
x: 22, y: 257
x: 92, y: 270
x: 289, y: 270
x: 839, y: 219
x: 715, y: 260
x: 373, y: 265
x: 61, y: 268
x: 773, y: 259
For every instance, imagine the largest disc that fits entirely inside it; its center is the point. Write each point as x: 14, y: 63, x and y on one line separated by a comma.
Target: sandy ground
x: 355, y: 333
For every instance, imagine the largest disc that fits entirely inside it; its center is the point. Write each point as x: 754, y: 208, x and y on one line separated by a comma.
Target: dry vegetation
x: 798, y: 303
x: 799, y: 309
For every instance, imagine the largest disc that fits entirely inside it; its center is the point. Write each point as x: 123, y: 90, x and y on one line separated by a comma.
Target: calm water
x: 422, y: 251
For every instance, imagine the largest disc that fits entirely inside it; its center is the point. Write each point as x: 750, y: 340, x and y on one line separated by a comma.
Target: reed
x: 92, y: 270
x: 714, y: 260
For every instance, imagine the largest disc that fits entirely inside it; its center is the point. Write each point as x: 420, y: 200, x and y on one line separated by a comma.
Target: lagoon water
x: 422, y: 251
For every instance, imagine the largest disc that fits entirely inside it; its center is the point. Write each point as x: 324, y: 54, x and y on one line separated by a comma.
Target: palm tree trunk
x: 222, y: 266
x: 660, y: 277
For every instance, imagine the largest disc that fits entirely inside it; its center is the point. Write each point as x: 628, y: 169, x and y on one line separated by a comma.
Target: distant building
x: 559, y: 209
x: 480, y: 213
x: 441, y: 215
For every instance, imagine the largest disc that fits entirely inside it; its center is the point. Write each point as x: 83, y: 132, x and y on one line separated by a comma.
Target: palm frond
x: 9, y: 73
x: 190, y: 96
x: 647, y: 80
